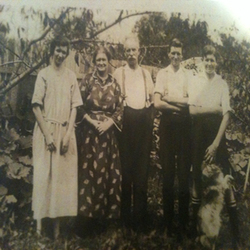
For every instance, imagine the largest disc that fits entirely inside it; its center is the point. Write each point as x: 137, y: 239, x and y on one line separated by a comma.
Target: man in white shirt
x: 209, y: 105
x: 171, y: 97
x: 135, y: 142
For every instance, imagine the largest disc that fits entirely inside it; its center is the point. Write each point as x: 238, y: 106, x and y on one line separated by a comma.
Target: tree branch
x: 14, y: 81
x: 155, y: 46
x: 85, y: 40
x: 17, y: 79
x: 13, y: 62
x: 13, y: 52
x: 118, y: 20
x: 47, y: 30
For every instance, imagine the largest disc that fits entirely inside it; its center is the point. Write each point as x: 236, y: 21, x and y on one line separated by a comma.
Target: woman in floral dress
x: 100, y: 170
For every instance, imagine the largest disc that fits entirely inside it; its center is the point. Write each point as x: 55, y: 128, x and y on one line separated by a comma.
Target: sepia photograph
x: 124, y: 125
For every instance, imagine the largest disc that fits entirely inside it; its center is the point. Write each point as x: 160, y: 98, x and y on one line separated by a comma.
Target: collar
x: 169, y: 69
x: 126, y: 67
x: 100, y: 82
x: 95, y: 75
x: 214, y: 79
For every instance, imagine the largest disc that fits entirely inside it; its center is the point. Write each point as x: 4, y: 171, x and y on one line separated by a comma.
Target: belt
x: 56, y: 121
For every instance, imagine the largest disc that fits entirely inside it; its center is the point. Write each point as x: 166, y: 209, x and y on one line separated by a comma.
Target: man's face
x: 175, y: 56
x: 210, y: 64
x: 60, y: 53
x: 132, y: 52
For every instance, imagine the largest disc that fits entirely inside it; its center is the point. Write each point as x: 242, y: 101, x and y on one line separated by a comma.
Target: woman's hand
x: 64, y: 145
x: 166, y: 98
x: 95, y: 123
x: 50, y: 143
x: 91, y: 121
x: 210, y: 153
x: 104, y: 126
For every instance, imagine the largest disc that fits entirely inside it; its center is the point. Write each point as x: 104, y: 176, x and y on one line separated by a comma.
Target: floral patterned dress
x: 99, y: 160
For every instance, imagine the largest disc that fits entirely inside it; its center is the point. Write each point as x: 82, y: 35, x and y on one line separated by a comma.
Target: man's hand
x: 210, y: 153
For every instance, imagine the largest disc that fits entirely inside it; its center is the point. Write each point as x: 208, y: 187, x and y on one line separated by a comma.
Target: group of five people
x: 114, y: 135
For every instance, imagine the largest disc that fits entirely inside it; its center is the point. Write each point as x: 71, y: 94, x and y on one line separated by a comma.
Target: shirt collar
x: 170, y: 69
x: 128, y: 68
x: 215, y: 78
x: 108, y: 79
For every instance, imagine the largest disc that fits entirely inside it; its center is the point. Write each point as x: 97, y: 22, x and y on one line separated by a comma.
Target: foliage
x: 15, y: 178
x: 118, y: 237
x: 235, y: 68
x: 155, y: 32
x: 30, y: 54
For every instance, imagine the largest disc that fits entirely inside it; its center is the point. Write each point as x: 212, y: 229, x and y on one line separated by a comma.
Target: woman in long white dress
x: 54, y: 101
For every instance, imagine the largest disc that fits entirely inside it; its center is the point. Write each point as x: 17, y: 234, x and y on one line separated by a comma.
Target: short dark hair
x: 210, y: 50
x: 101, y: 49
x: 175, y: 43
x: 59, y: 41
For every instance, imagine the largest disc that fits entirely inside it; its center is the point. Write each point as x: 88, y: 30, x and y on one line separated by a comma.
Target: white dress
x: 55, y: 176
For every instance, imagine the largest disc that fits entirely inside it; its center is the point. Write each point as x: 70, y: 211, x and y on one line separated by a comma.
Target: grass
x: 116, y: 237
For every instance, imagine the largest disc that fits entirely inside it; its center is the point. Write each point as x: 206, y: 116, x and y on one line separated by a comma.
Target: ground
x: 117, y: 237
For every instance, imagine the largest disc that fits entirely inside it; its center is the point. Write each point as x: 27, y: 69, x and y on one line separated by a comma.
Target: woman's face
x: 210, y: 64
x: 101, y: 62
x: 60, y: 53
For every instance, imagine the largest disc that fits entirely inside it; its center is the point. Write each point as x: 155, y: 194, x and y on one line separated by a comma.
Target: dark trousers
x: 135, y: 144
x: 175, y: 157
x: 204, y: 131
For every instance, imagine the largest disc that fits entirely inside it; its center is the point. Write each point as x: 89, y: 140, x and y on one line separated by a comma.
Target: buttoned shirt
x: 209, y: 93
x: 171, y: 83
x: 133, y: 86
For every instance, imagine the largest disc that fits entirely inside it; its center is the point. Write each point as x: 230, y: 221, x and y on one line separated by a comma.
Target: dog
x: 215, y: 185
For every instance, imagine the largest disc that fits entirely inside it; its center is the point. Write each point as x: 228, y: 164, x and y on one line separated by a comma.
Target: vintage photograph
x: 124, y: 125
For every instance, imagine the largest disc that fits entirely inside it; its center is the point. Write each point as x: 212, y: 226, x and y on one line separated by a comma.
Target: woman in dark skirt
x: 99, y: 160
x: 209, y: 105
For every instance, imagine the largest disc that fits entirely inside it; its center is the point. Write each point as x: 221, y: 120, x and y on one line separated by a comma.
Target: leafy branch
x: 43, y: 35
x: 46, y: 31
x: 14, y: 62
x: 7, y: 48
x: 119, y: 19
x: 18, y: 78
